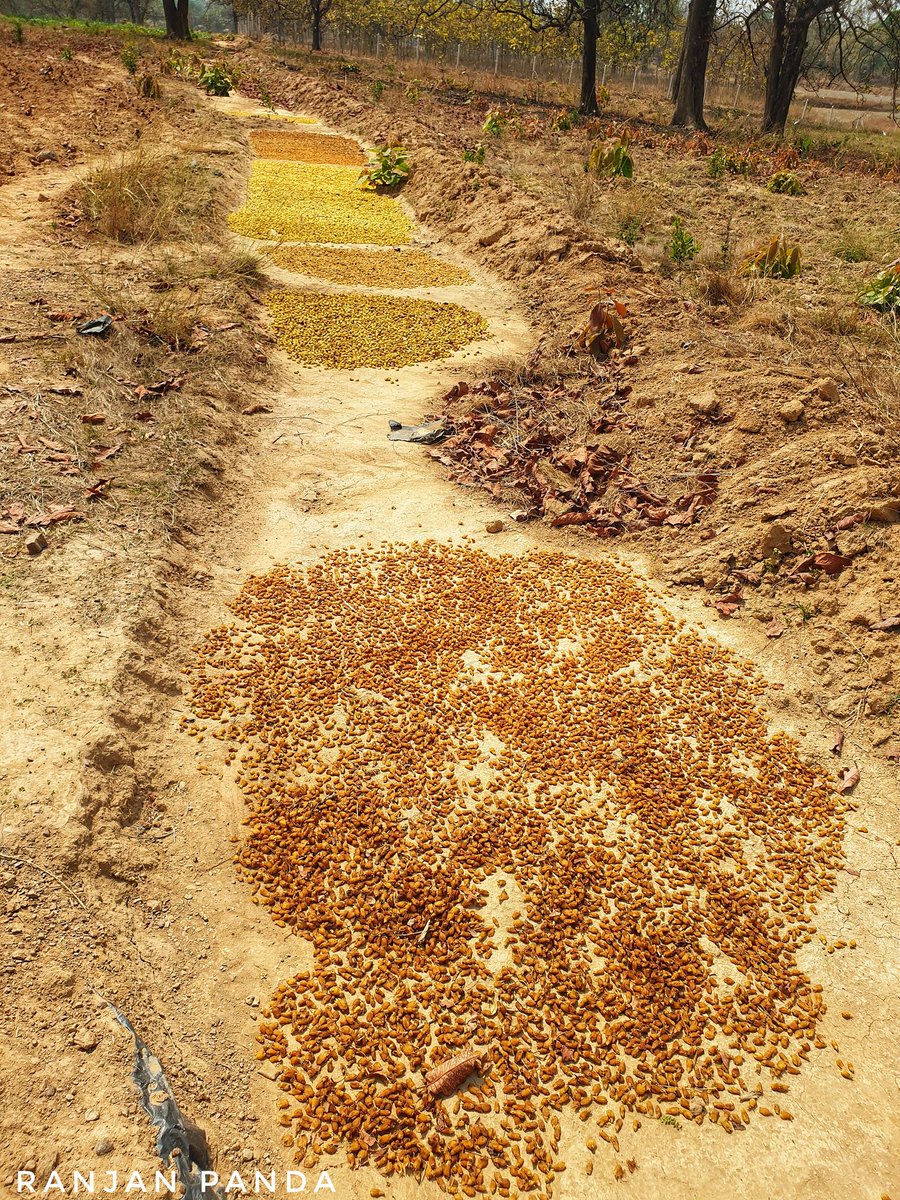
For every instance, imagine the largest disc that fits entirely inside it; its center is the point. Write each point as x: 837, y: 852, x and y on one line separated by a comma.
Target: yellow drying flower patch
x: 348, y: 331
x: 307, y: 147
x: 294, y: 202
x: 372, y: 268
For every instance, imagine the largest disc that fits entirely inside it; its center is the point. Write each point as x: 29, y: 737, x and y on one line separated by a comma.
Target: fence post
x: 634, y: 82
x: 378, y: 45
x: 458, y: 52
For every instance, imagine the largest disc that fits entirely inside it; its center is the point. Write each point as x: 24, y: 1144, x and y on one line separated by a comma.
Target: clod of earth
x: 518, y: 811
x: 297, y: 202
x: 347, y: 331
x: 370, y: 268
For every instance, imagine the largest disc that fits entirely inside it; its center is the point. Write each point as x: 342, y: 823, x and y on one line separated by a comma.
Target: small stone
x: 85, y: 1039
x: 706, y: 403
x: 104, y: 1146
x: 827, y: 389
x: 493, y: 236
x: 791, y: 411
x: 750, y: 422
x: 154, y: 906
x: 494, y: 526
x: 36, y: 542
x: 45, y: 156
x: 247, y: 1155
x: 777, y: 537
x: 91, y: 1115
x: 888, y: 511
x: 842, y: 706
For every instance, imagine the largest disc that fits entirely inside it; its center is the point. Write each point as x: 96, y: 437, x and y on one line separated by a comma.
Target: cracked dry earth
x: 491, y: 794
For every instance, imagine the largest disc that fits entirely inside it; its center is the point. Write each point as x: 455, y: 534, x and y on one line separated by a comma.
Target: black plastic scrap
x: 97, y: 326
x: 179, y: 1142
x: 428, y: 434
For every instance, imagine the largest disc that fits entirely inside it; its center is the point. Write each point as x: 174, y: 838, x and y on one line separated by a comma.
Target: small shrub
x: 883, y: 291
x: 565, y: 120
x: 774, y: 260
x: 390, y: 169
x: 265, y: 97
x: 130, y: 58
x: 65, y: 54
x: 681, y: 247
x: 611, y: 160
x: 348, y: 68
x: 378, y: 86
x: 218, y: 79
x: 786, y: 183
x: 474, y: 154
x: 412, y: 93
x: 724, y: 162
x: 493, y: 123
x: 18, y: 32
x: 148, y: 86
x: 629, y: 229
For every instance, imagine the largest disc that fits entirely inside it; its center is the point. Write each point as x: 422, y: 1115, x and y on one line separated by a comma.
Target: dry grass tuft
x: 147, y: 195
x: 720, y: 289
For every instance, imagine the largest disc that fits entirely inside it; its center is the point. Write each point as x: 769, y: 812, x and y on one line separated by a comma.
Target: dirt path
x: 324, y: 476
x: 191, y: 959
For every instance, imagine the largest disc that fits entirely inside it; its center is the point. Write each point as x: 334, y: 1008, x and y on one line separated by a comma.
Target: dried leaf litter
x: 345, y: 331
x: 518, y: 811
x: 371, y: 268
x: 299, y: 202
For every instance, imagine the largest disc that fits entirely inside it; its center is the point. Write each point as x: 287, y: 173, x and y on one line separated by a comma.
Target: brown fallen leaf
x: 443, y: 1080
x: 832, y: 564
x: 849, y: 777
x: 887, y: 623
x: 94, y: 418
x: 891, y: 750
x: 252, y: 409
x: 105, y: 452
x: 54, y: 515
x: 849, y: 522
x: 98, y: 489
x: 837, y: 742
x: 144, y: 416
x: 775, y: 628
x: 9, y: 527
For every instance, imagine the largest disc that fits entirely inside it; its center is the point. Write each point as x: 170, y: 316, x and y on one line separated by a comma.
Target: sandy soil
x: 118, y: 830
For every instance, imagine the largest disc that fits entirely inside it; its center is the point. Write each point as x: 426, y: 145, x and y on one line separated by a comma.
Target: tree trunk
x: 316, y: 10
x: 691, y: 80
x: 783, y: 74
x: 177, y: 25
x: 587, y: 105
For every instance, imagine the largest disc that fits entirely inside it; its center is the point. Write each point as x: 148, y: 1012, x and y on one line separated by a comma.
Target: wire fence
x: 842, y: 110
